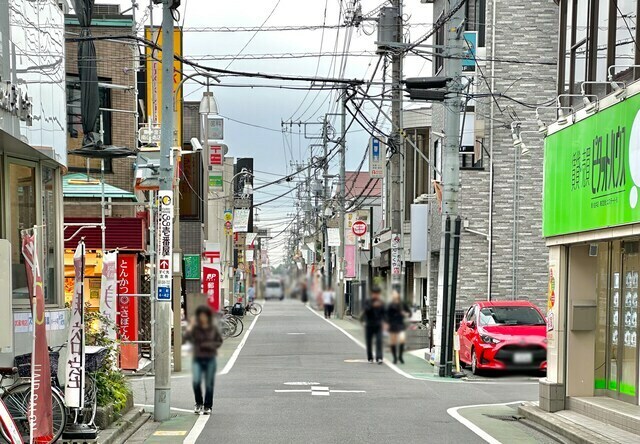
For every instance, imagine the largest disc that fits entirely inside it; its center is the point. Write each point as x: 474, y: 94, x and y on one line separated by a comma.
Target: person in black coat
x: 373, y: 317
x: 396, y: 316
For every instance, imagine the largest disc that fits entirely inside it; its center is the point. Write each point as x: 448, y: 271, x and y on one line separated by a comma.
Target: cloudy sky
x: 254, y: 114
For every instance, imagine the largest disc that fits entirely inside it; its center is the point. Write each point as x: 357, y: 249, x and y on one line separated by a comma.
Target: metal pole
x: 454, y: 51
x: 177, y: 278
x: 162, y: 398
x: 341, y: 207
x: 327, y: 248
x: 397, y: 158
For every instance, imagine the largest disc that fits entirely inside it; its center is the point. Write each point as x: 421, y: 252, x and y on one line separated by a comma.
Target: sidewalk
x: 184, y: 426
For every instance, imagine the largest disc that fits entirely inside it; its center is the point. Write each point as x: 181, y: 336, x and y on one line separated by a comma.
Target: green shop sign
x: 592, y: 172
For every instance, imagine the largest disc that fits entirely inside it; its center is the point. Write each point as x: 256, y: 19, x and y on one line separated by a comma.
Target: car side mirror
x: 472, y: 325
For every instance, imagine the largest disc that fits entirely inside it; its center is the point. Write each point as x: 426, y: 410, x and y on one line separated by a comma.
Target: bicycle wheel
x: 239, y: 327
x: 17, y: 399
x: 87, y: 414
x: 226, y: 328
x: 255, y: 309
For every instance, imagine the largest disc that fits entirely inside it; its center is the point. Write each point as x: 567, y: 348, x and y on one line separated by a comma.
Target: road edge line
x: 453, y: 412
x: 361, y: 345
x: 197, y: 429
x: 227, y: 368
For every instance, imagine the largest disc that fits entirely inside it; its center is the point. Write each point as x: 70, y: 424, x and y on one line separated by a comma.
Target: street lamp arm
x: 190, y: 77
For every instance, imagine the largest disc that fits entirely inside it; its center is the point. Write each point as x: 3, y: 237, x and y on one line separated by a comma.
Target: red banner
x: 41, y: 405
x: 128, y: 309
x: 211, y: 286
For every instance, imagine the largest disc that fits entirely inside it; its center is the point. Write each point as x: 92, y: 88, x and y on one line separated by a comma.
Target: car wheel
x: 474, y: 363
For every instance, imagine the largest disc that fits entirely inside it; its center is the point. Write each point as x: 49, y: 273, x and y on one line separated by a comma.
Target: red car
x: 503, y: 335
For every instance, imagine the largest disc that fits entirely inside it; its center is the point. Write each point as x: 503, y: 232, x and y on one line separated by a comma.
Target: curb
x: 110, y: 435
x: 560, y: 426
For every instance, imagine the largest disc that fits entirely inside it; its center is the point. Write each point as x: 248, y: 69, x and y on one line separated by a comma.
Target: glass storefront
x: 616, y: 353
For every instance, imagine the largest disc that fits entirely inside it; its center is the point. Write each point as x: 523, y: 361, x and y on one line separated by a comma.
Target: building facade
x: 33, y: 155
x: 591, y: 215
x: 512, y: 72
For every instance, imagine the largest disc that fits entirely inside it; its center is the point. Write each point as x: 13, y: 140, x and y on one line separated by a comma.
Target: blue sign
x: 164, y: 293
x: 469, y: 60
x: 375, y: 150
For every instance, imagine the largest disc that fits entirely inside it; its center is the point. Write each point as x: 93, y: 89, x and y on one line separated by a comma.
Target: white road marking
x: 227, y: 368
x: 453, y: 412
x: 296, y: 333
x: 402, y: 372
x: 293, y: 391
x: 197, y: 429
x: 301, y: 383
x: 319, y: 391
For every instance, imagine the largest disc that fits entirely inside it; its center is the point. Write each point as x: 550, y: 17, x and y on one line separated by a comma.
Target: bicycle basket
x: 23, y: 364
x: 93, y: 362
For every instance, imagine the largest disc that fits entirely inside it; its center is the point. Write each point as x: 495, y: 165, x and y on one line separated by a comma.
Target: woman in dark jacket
x: 206, y: 339
x: 396, y: 315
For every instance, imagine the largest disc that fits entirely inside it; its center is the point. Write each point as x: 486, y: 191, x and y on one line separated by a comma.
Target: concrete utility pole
x: 445, y: 316
x: 397, y: 159
x: 340, y: 303
x: 162, y: 394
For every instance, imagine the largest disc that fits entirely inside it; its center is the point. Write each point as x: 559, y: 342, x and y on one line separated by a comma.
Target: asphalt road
x: 263, y: 400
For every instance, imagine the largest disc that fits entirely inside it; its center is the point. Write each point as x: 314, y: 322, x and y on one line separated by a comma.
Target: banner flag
x: 74, y: 388
x: 108, y: 292
x: 41, y: 424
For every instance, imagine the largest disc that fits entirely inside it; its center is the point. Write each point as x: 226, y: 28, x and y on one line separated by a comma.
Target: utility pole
x: 162, y: 393
x: 397, y: 158
x: 445, y: 316
x: 340, y: 303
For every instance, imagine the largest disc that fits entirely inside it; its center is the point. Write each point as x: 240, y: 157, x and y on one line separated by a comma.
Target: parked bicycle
x: 231, y: 326
x: 17, y: 396
x: 254, y: 308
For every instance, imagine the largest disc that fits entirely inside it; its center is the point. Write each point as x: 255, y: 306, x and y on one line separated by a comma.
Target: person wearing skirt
x: 396, y: 316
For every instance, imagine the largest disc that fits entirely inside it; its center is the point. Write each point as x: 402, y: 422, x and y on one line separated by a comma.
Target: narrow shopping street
x: 298, y: 378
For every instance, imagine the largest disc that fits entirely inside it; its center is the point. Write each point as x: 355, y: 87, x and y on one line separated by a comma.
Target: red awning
x: 124, y: 233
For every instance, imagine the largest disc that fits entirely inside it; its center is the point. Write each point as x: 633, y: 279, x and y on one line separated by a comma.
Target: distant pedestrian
x: 328, y: 300
x: 304, y: 296
x: 373, y: 316
x: 206, y: 339
x: 396, y: 317
x: 251, y: 294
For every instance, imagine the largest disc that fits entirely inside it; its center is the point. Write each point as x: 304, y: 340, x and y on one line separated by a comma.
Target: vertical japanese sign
x: 154, y: 78
x: 74, y: 388
x: 396, y: 262
x: 164, y: 267
x: 108, y: 286
x: 211, y: 285
x: 350, y: 261
x: 41, y: 424
x: 551, y: 295
x: 127, y: 273
x: 377, y: 158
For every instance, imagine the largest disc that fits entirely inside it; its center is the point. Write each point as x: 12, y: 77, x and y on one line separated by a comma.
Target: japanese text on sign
x: 165, y: 245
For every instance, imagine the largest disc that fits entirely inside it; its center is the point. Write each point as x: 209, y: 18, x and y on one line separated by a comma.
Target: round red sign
x: 359, y: 228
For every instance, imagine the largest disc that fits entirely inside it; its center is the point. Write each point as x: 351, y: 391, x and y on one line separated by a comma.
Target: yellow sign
x: 154, y: 79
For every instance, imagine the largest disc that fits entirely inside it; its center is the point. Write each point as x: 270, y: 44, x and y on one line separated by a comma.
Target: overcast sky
x: 272, y: 150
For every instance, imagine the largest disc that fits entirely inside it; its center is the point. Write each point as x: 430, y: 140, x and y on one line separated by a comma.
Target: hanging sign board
x: 241, y: 220
x: 377, y: 158
x: 396, y: 263
x: 211, y: 285
x: 191, y: 266
x: 334, y: 237
x: 165, y: 245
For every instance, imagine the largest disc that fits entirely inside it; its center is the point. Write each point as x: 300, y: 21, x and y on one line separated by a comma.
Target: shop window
x: 476, y: 18
x: 74, y: 124
x: 191, y: 187
x: 438, y: 60
x: 49, y: 238
x: 22, y: 216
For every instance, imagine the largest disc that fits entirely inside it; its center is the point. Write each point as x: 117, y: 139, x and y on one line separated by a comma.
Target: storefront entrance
x: 616, y: 357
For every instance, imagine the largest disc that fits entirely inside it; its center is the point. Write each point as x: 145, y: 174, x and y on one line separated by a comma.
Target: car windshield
x: 510, y: 316
x: 273, y: 285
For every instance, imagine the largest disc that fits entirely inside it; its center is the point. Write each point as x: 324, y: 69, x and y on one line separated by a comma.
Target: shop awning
x: 124, y: 233
x: 81, y: 185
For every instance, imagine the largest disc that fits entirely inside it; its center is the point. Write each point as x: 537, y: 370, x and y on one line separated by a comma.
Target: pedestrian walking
x: 251, y: 294
x: 373, y: 317
x: 328, y: 300
x: 396, y: 317
x: 206, y: 339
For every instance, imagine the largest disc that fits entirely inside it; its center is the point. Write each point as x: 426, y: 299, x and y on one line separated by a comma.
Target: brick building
x: 503, y: 254
x: 117, y: 77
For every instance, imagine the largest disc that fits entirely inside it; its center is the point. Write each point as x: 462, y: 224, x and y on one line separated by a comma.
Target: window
x: 438, y: 61
x: 191, y: 187
x: 74, y: 125
x: 510, y: 316
x: 596, y: 35
x: 49, y: 238
x: 22, y: 216
x: 476, y: 18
